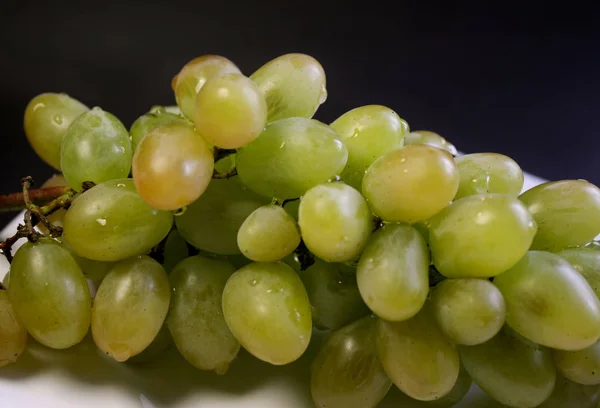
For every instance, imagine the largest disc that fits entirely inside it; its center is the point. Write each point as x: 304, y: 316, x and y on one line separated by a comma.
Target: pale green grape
x: 429, y: 138
x: 457, y: 393
x: 417, y: 357
x: 291, y: 156
x: 6, y: 279
x: 335, y: 221
x: 130, y: 307
x: 550, y: 303
x: 211, y: 223
x: 293, y: 208
x: 111, y: 222
x: 13, y: 336
x: 96, y: 147
x: 567, y: 213
x: 469, y: 311
x: 230, y: 111
x: 172, y: 166
x: 47, y: 117
x: 410, y: 184
x: 482, y: 173
x: 392, y: 272
x: 192, y: 77
x: 293, y: 85
x: 581, y: 366
x: 587, y: 263
x: 268, y: 234
x: 174, y: 109
x: 480, y: 236
x: 569, y: 394
x: 196, y: 319
x: 49, y: 294
x: 147, y: 122
x: 334, y: 296
x: 157, y: 349
x: 268, y: 311
x: 514, y: 373
x: 175, y: 250
x: 368, y: 132
x: 93, y: 270
x: 347, y: 372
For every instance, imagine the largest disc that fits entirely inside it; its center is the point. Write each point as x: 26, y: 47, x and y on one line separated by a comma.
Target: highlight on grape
x: 234, y: 219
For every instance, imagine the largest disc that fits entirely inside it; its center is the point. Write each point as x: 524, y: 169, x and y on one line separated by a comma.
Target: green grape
x: 429, y: 138
x: 192, y: 77
x: 174, y: 109
x: 172, y: 166
x: 130, y: 307
x: 515, y: 373
x: 587, y: 263
x: 6, y: 279
x: 196, y: 319
x: 417, y: 357
x: 423, y: 229
x: 482, y: 173
x: 581, y: 366
x: 111, y: 222
x: 335, y: 221
x: 457, y: 393
x: 347, y: 372
x: 49, y: 294
x: 550, y: 303
x: 93, y: 270
x: 291, y: 156
x: 147, y: 122
x: 47, y: 117
x: 211, y: 223
x: 567, y: 213
x: 13, y: 336
x: 230, y: 111
x: 293, y: 85
x: 410, y: 184
x: 568, y: 394
x: 175, y: 250
x: 293, y: 261
x: 268, y: 234
x: 469, y: 311
x: 157, y: 349
x: 268, y: 311
x: 480, y: 236
x: 368, y: 132
x: 292, y: 207
x: 392, y: 272
x: 96, y: 147
x: 334, y: 296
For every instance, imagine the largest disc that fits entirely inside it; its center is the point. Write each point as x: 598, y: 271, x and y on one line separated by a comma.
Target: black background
x: 522, y: 80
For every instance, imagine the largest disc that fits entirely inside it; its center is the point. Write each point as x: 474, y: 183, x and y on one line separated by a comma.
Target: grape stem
x: 16, y: 201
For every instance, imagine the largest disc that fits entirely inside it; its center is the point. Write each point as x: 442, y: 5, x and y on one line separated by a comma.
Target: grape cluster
x: 236, y: 220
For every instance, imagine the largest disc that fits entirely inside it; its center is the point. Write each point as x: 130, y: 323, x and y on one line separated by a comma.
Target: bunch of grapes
x: 235, y: 219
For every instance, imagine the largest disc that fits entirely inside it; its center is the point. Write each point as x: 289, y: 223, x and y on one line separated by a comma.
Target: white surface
x: 82, y: 377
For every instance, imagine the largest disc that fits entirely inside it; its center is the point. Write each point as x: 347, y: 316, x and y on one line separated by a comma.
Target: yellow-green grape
x: 291, y: 156
x: 56, y: 218
x: 482, y: 173
x: 47, y: 117
x: 410, y: 184
x: 93, y: 270
x: 567, y: 213
x: 157, y: 349
x: 392, y: 272
x: 6, y: 279
x: 268, y: 311
x: 335, y: 221
x: 417, y: 357
x: 268, y: 234
x: 176, y: 250
x: 456, y: 394
x: 174, y: 109
x: 334, y: 296
x: 514, y: 373
x: 368, y: 132
x: 13, y: 336
x: 480, y: 236
x: 230, y: 111
x: 212, y: 222
x: 172, y: 166
x: 196, y: 319
x: 423, y: 228
x: 429, y: 138
x: 96, y: 147
x: 587, y: 263
x: 550, y: 303
x: 192, y: 77
x: 469, y: 311
x: 293, y: 85
x: 569, y: 394
x: 49, y: 294
x: 148, y: 121
x: 347, y: 372
x: 111, y: 222
x: 581, y: 366
x: 130, y: 307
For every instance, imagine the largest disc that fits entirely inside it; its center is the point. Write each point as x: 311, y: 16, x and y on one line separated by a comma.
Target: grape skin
x: 13, y: 336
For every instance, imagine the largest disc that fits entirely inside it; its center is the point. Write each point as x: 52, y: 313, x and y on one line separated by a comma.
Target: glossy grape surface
x: 430, y: 138
x: 148, y: 121
x: 482, y: 173
x: 13, y: 336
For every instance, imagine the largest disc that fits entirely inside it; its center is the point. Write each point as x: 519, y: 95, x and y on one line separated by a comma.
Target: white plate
x: 82, y: 377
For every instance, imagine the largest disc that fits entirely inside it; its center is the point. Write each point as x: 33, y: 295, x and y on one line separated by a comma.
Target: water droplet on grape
x: 58, y: 120
x: 253, y: 282
x: 101, y: 221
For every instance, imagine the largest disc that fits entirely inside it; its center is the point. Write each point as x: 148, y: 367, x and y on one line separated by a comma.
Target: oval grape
x: 482, y: 173
x: 13, y: 336
x: 429, y: 138
x: 587, y: 263
x: 581, y: 366
x: 148, y: 122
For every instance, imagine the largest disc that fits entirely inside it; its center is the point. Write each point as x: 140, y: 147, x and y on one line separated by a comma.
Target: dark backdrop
x: 519, y: 80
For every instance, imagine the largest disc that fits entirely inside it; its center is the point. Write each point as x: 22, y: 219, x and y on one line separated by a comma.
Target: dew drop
x: 101, y: 221
x: 58, y: 120
x: 121, y: 185
x: 253, y: 282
